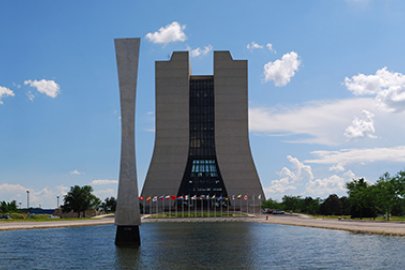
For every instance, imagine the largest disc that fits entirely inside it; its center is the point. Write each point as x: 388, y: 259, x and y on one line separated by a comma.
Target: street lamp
x: 57, y: 201
x: 28, y: 199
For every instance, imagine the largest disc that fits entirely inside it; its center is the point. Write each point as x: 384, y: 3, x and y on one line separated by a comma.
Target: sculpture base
x: 128, y: 236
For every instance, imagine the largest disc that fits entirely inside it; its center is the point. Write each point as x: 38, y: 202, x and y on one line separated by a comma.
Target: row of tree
x: 385, y: 197
x: 78, y: 199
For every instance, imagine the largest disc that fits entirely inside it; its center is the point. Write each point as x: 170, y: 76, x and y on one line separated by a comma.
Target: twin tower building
x: 201, y: 140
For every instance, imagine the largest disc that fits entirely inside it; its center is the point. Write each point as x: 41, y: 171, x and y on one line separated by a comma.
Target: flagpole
x: 170, y: 206
x: 240, y: 204
x: 247, y: 204
x: 233, y: 199
x: 215, y: 207
x: 164, y: 204
x: 182, y: 207
x: 188, y: 204
x: 202, y: 206
x: 220, y: 205
x: 195, y: 206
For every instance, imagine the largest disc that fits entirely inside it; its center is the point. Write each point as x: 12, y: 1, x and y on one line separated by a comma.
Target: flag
x: 140, y: 198
x: 167, y: 197
x: 186, y: 197
x: 180, y: 198
x: 213, y: 197
x: 245, y: 197
x: 155, y: 198
x: 162, y: 197
x: 259, y: 197
x: 202, y: 197
x: 239, y: 196
x: 194, y: 197
x: 233, y: 197
x: 148, y: 199
x: 173, y: 197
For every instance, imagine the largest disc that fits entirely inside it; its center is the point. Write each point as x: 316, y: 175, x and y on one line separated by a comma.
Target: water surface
x: 201, y: 246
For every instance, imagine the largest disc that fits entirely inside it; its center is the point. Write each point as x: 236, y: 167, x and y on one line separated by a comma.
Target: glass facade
x: 202, y: 175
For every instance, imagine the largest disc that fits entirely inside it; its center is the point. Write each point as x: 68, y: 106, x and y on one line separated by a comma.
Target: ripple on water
x: 201, y: 246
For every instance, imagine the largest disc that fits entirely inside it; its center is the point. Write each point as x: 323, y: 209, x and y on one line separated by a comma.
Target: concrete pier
x: 127, y: 216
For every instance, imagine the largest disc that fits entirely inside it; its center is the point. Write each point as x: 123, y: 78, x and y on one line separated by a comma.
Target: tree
x: 390, y: 193
x: 345, y: 203
x: 271, y: 204
x: 79, y: 199
x: 293, y: 203
x: 362, y: 199
x: 311, y: 206
x: 8, y: 207
x: 331, y: 206
x: 109, y: 204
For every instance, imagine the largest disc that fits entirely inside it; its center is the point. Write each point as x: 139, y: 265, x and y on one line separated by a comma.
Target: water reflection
x: 201, y: 246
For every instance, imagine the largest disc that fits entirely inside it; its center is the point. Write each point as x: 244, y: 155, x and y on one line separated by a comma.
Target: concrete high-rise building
x: 202, y: 140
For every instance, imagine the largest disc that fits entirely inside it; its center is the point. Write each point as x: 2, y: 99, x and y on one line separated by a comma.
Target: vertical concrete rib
x: 172, y: 127
x: 231, y: 127
x: 127, y: 215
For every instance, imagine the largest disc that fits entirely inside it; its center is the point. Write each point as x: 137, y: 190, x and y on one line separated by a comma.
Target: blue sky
x: 326, y: 88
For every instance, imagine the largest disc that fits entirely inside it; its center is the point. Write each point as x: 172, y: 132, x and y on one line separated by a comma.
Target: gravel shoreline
x: 382, y: 228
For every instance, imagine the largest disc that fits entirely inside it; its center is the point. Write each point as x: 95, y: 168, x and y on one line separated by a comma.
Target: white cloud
x: 104, y: 182
x: 282, y: 70
x: 45, y: 197
x: 30, y: 96
x: 300, y: 180
x: 359, y: 156
x: 253, y: 46
x: 387, y: 87
x: 106, y: 193
x: 75, y: 172
x: 334, y: 184
x: 321, y: 122
x: 199, y: 51
x: 269, y: 47
x: 361, y: 126
x: 289, y: 178
x: 47, y: 87
x: 173, y: 32
x: 337, y: 168
x: 4, y: 92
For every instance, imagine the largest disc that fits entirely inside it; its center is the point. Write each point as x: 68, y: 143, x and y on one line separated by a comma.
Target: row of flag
x: 195, y: 197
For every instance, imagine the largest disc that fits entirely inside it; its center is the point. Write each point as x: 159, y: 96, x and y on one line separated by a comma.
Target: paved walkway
x: 53, y: 224
x: 385, y: 228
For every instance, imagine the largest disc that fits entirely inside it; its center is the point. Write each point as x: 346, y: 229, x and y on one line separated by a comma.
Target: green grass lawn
x: 23, y: 217
x: 197, y: 214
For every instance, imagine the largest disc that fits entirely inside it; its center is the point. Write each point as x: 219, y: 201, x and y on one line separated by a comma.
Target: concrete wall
x: 127, y: 55
x: 231, y: 127
x: 172, y: 127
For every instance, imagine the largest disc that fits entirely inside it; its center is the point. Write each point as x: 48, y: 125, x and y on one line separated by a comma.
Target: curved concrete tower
x: 202, y: 139
x: 127, y: 215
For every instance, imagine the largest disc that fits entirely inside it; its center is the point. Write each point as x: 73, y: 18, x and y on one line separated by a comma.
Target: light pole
x: 57, y: 201
x: 28, y: 199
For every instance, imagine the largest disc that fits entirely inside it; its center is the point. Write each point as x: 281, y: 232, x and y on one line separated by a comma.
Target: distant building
x: 202, y: 141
